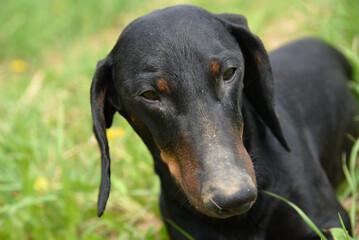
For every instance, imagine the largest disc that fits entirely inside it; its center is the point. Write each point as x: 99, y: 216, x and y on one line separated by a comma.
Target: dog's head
x: 178, y: 76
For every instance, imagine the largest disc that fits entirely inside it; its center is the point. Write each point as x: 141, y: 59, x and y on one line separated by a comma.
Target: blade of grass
x: 338, y: 234
x: 344, y: 190
x: 183, y: 232
x: 301, y: 213
x: 343, y: 227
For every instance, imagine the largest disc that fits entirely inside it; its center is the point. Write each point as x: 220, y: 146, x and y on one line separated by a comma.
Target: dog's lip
x: 227, y: 213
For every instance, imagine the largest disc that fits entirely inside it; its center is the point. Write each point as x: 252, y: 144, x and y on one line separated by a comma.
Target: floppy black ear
x: 104, y: 104
x: 258, y: 78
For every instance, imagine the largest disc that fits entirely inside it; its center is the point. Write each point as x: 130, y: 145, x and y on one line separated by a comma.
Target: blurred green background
x: 49, y: 159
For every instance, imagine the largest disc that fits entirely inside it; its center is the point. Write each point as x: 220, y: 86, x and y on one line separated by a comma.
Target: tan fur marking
x: 173, y: 166
x: 215, y: 67
x: 249, y: 166
x: 183, y: 167
x: 163, y: 85
x: 243, y: 154
x: 189, y: 167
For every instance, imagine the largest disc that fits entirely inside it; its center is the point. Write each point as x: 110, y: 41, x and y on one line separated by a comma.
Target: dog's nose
x: 223, y: 204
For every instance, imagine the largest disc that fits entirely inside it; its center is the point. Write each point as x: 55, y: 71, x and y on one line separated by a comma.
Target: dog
x: 224, y: 121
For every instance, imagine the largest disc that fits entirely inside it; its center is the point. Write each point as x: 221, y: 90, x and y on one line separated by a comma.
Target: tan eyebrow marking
x: 215, y: 67
x: 163, y: 85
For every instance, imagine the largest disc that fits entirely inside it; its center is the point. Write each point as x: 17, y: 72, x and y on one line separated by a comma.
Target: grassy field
x: 49, y: 159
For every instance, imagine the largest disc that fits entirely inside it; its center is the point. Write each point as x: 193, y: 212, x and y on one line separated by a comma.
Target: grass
x: 49, y: 159
x: 301, y: 213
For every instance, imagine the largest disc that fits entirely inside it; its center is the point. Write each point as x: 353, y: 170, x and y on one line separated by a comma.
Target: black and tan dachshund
x: 224, y: 121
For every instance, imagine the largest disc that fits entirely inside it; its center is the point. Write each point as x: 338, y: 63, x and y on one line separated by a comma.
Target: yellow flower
x: 41, y: 184
x: 113, y: 133
x: 18, y: 65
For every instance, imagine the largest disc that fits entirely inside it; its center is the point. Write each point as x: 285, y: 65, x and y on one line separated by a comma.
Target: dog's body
x: 181, y: 90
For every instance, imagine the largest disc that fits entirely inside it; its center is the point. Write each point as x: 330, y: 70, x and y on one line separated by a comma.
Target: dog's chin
x: 223, y: 213
x: 227, y: 213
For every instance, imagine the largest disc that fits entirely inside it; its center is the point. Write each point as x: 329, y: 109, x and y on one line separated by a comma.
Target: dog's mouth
x: 218, y: 212
x: 217, y: 188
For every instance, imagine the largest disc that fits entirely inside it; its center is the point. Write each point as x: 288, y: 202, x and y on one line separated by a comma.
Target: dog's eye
x: 228, y: 74
x: 150, y: 96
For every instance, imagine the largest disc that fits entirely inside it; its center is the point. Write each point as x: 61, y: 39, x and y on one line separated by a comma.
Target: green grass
x: 301, y: 213
x: 50, y: 163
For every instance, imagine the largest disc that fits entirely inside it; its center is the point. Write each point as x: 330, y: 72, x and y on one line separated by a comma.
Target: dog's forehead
x: 174, y: 30
x: 176, y: 20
